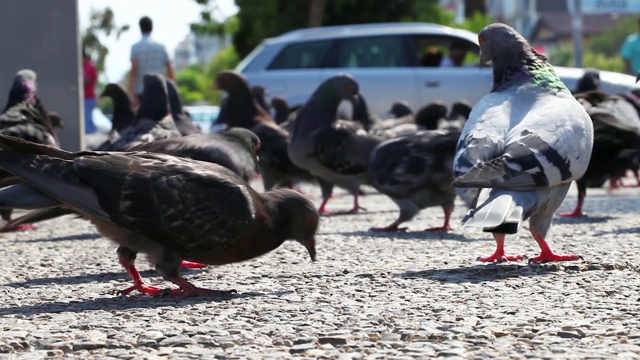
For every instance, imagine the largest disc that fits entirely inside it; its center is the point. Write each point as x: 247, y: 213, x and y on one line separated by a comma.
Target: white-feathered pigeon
x: 523, y: 144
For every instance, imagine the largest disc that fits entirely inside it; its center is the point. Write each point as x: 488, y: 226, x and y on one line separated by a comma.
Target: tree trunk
x: 316, y: 9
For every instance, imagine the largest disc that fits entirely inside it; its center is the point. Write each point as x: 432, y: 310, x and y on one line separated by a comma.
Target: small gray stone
x: 88, y: 345
x: 301, y: 348
x: 568, y: 335
x: 333, y: 340
x: 390, y: 337
x: 66, y: 346
x: 174, y: 341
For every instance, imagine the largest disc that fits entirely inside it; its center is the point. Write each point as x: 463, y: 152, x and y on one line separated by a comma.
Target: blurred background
x: 207, y: 36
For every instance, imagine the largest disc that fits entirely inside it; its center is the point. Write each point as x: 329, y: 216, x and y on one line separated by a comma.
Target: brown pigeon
x: 170, y: 208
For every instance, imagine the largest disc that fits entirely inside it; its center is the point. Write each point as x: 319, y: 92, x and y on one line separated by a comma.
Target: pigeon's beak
x: 310, y: 244
x: 103, y: 93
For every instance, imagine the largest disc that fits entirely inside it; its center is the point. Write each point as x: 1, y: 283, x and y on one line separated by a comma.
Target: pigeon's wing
x: 404, y: 165
x: 340, y: 148
x: 29, y: 122
x: 482, y: 137
x: 550, y: 145
x: 186, y: 205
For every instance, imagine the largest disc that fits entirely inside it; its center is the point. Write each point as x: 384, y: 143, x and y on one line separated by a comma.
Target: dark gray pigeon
x: 170, y: 208
x: 182, y: 120
x: 334, y: 152
x: 400, y: 108
x: 153, y: 119
x: 415, y: 171
x: 239, y: 108
x: 524, y: 143
x: 275, y: 165
x: 236, y: 149
x: 281, y: 109
x: 24, y: 116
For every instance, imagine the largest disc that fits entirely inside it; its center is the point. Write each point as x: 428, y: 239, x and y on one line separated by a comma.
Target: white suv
x: 387, y: 60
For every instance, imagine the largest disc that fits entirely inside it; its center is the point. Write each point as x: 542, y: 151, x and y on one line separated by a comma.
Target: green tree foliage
x: 601, y: 51
x: 267, y: 18
x: 563, y: 56
x: 197, y: 83
x: 101, y: 25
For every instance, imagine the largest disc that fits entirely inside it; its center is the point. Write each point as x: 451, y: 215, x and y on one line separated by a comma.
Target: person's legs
x: 89, y: 126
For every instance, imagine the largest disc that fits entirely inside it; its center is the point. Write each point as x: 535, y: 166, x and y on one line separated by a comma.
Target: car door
x: 448, y: 84
x: 381, y: 67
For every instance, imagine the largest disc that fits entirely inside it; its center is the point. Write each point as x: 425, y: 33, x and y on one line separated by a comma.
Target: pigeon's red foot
x: 148, y: 290
x: 497, y: 257
x: 20, y: 227
x: 390, y: 228
x: 549, y: 257
x: 323, y: 211
x: 574, y: 214
x: 192, y: 265
x: 443, y: 228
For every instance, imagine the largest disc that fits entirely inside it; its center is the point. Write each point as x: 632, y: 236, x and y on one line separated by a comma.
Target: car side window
x: 307, y: 55
x: 371, y: 51
x: 437, y: 51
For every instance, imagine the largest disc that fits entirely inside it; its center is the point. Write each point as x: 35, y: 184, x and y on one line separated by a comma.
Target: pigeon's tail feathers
x: 496, y: 213
x: 24, y: 196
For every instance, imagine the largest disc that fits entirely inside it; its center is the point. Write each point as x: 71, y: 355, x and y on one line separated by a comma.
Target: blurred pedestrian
x: 630, y: 52
x: 90, y: 77
x: 147, y: 56
x: 457, y: 53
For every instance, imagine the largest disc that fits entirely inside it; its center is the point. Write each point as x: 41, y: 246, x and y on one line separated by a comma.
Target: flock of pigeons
x: 160, y: 187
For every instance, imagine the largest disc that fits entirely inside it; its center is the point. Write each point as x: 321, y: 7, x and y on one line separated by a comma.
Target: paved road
x: 391, y: 296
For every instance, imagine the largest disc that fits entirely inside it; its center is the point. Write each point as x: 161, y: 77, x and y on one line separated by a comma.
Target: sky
x: 171, y: 19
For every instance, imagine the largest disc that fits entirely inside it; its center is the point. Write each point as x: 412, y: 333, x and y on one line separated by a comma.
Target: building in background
x: 198, y: 49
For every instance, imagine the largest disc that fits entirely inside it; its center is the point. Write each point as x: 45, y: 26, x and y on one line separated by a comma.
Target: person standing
x: 90, y: 77
x: 147, y: 56
x: 630, y: 52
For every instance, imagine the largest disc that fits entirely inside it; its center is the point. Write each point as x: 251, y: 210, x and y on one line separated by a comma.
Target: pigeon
x: 458, y: 115
x: 430, y: 116
x: 362, y: 114
x: 276, y: 167
x: 281, y: 109
x: 239, y: 108
x: 153, y: 120
x: 170, y: 208
x: 259, y: 94
x: 182, y: 120
x: 590, y: 81
x: 523, y: 145
x: 24, y: 116
x: 400, y: 109
x: 415, y: 171
x: 616, y: 143
x: 236, y: 149
x: 123, y: 113
x: 334, y: 152
x: 403, y: 123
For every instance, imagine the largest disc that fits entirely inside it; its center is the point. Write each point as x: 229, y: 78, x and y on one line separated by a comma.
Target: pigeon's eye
x: 480, y: 40
x: 347, y: 87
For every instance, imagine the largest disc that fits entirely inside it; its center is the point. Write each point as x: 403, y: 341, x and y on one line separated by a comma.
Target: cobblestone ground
x: 369, y: 295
